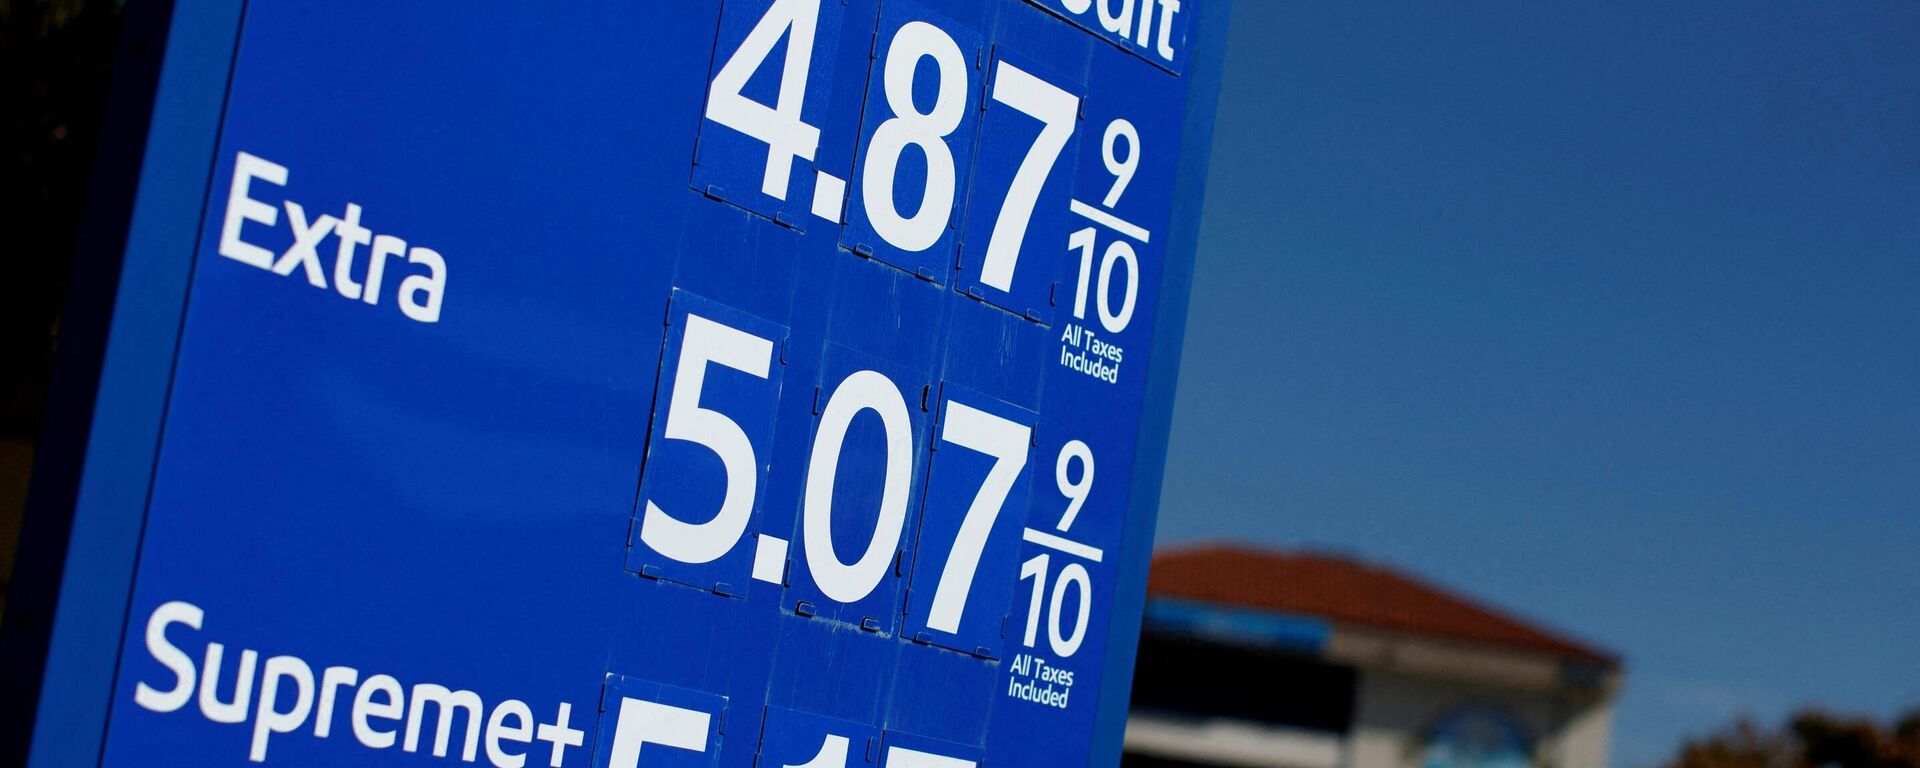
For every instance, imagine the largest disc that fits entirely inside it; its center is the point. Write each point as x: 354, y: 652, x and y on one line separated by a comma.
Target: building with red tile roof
x: 1308, y: 660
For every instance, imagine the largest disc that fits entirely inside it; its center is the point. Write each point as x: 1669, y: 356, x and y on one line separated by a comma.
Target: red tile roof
x: 1344, y: 591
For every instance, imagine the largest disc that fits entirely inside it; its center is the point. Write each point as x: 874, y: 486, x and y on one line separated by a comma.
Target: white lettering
x: 234, y: 711
x: 1136, y: 28
x: 419, y: 295
x: 1116, y: 23
x: 446, y: 701
x: 497, y: 731
x: 305, y: 238
x: 1167, y: 9
x: 364, y: 709
x: 169, y: 656
x: 288, y: 696
x: 267, y: 720
x: 242, y: 208
x: 561, y: 734
x: 383, y: 246
x: 433, y: 284
x: 331, y: 681
x: 351, y: 234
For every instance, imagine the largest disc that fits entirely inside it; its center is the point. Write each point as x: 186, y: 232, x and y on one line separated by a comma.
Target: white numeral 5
x: 706, y: 341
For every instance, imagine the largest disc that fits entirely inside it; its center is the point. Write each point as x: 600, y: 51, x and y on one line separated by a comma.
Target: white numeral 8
x: 909, y: 126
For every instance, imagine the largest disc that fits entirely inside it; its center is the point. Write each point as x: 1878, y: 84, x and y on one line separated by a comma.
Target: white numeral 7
x: 1057, y: 110
x: 1006, y: 442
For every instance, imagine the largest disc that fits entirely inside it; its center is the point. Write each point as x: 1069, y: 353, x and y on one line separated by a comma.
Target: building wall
x: 1394, y: 712
x: 1584, y: 741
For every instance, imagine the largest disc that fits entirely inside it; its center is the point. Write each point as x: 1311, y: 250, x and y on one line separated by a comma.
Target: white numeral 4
x: 780, y: 126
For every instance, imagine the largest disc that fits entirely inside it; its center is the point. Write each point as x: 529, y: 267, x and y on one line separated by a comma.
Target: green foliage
x: 1810, y: 739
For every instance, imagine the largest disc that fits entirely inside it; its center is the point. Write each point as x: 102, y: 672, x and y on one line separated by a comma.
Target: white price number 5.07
x: 707, y: 344
x: 930, y: 132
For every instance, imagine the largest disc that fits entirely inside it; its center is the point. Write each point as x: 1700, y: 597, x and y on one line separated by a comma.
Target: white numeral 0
x: 864, y: 390
x: 927, y: 131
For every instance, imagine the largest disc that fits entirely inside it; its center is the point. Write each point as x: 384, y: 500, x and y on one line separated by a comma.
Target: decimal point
x: 828, y: 190
x: 770, y: 559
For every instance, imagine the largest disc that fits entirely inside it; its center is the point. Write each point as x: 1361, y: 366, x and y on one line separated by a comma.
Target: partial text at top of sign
x: 1155, y: 30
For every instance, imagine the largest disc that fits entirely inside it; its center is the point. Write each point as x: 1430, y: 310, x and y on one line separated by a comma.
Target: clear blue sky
x: 1606, y: 313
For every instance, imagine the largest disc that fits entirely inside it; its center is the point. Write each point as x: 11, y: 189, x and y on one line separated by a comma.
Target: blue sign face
x: 662, y: 384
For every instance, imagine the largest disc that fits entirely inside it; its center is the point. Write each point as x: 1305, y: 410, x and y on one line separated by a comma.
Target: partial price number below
x: 645, y: 731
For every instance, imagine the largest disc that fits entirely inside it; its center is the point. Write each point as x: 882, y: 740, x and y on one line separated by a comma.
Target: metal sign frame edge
x: 1205, y: 65
x: 87, y: 503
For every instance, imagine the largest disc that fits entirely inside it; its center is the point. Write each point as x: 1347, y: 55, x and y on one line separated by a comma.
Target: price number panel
x: 948, y: 520
x: 956, y: 163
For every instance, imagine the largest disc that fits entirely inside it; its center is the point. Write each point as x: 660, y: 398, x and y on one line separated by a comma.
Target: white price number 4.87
x: 788, y: 136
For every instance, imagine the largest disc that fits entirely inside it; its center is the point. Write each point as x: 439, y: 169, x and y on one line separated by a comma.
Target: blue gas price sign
x: 758, y: 382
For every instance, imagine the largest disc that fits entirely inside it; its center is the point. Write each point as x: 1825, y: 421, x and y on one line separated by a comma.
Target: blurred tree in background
x: 56, y: 61
x: 1810, y: 739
